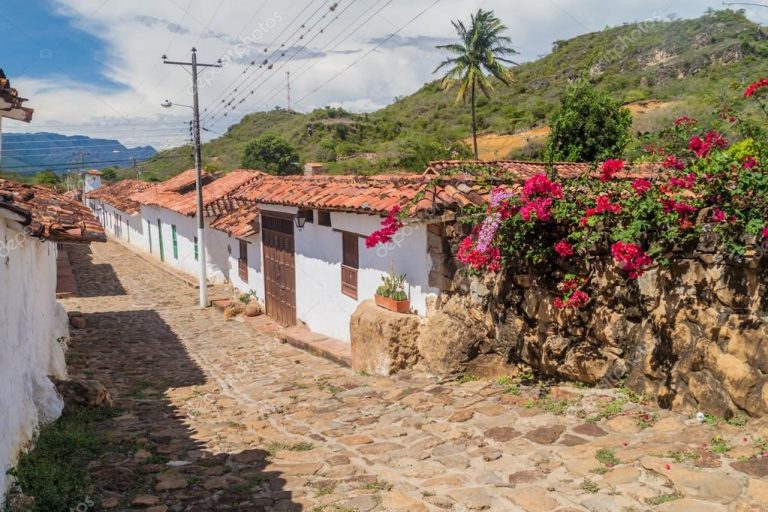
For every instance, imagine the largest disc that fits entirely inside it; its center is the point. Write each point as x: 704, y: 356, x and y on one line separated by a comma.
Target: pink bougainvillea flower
x: 641, y: 186
x: 537, y: 209
x: 540, y: 185
x: 672, y: 162
x: 564, y: 249
x: 389, y: 227
x: 685, y: 121
x: 631, y: 257
x: 488, y: 260
x: 750, y: 162
x: 679, y: 207
x: 718, y: 216
x: 686, y: 182
x: 765, y: 232
x: 755, y: 86
x: 610, y: 168
x: 703, y: 146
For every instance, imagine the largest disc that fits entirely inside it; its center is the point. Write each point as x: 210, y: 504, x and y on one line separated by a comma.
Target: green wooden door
x: 160, y: 238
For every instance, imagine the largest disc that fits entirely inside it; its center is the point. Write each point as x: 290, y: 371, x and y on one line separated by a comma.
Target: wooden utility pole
x: 198, y: 170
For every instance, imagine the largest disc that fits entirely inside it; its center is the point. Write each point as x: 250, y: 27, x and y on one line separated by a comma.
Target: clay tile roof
x: 11, y: 103
x: 446, y: 185
x: 507, y: 168
x: 94, y: 172
x: 240, y: 222
x: 118, y: 195
x: 178, y: 193
x: 49, y: 215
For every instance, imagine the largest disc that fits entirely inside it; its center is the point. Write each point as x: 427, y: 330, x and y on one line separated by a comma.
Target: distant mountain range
x: 28, y: 153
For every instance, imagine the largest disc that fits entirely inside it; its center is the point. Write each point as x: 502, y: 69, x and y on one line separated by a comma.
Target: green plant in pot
x: 391, y: 294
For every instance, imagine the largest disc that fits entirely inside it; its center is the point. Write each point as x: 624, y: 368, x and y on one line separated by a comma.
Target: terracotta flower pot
x: 398, y: 306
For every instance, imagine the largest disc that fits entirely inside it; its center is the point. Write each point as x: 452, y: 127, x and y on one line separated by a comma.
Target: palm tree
x: 480, y: 53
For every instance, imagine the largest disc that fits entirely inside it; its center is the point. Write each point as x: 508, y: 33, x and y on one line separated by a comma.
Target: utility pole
x: 198, y: 170
x: 288, y: 76
x: 82, y: 172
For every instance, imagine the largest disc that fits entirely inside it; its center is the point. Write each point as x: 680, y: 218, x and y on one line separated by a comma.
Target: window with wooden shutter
x: 350, y: 264
x: 324, y: 218
x: 242, y: 262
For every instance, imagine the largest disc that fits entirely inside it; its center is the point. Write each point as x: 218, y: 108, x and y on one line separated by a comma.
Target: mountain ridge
x: 28, y: 153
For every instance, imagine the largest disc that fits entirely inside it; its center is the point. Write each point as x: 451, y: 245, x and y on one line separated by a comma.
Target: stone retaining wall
x: 693, y: 334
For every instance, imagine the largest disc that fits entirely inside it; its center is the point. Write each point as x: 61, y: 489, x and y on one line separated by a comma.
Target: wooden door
x: 279, y: 268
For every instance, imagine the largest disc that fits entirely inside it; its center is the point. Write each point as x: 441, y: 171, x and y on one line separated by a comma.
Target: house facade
x: 34, y: 328
x: 119, y: 215
x: 169, y: 225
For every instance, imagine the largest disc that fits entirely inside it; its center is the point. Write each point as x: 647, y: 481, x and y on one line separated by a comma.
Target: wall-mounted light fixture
x: 300, y: 220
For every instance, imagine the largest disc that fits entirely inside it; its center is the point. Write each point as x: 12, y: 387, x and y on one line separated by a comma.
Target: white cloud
x: 136, y: 34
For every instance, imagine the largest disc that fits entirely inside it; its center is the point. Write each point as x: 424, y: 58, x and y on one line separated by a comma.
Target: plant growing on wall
x: 639, y: 215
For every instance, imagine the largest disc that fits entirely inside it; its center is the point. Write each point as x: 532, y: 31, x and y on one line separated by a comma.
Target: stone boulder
x: 452, y: 338
x: 84, y: 393
x: 383, y: 342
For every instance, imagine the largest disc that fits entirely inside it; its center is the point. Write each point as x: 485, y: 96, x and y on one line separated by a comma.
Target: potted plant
x: 391, y: 294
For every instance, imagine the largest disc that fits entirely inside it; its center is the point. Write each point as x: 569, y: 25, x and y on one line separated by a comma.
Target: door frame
x: 275, y: 311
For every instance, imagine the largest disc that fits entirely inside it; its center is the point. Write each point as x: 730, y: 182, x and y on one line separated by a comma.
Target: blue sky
x: 93, y: 67
x: 39, y: 42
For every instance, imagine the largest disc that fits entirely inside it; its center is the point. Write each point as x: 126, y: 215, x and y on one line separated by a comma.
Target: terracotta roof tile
x: 49, y: 215
x: 119, y: 195
x: 240, y: 222
x: 178, y: 193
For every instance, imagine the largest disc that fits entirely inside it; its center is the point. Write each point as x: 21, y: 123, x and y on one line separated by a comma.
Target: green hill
x: 690, y: 63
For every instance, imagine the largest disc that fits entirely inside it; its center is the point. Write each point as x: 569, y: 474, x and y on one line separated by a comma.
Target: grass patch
x: 662, y: 498
x: 468, y: 378
x: 509, y: 386
x: 273, y: 448
x: 589, y: 486
x: 738, y: 421
x: 719, y: 445
x: 378, y: 486
x: 556, y: 407
x: 607, y: 457
x: 55, y: 471
x: 680, y: 456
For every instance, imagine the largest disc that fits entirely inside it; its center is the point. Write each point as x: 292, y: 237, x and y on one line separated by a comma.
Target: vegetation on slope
x: 693, y: 62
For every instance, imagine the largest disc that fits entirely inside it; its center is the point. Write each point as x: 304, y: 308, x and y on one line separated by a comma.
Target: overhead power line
x: 246, y: 86
x: 331, y: 46
x: 266, y: 49
x: 255, y: 87
x: 379, y: 45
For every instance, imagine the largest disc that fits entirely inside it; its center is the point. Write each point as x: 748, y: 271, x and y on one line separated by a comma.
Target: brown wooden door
x: 279, y: 269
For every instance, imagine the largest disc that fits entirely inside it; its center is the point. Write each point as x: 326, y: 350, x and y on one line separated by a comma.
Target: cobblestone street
x: 216, y: 416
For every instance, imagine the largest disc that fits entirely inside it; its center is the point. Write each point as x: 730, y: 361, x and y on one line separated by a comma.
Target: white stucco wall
x: 186, y: 231
x: 319, y: 301
x: 31, y: 322
x: 128, y: 228
x: 255, y: 280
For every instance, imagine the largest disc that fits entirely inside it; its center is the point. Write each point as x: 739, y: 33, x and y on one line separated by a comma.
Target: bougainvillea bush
x: 640, y: 215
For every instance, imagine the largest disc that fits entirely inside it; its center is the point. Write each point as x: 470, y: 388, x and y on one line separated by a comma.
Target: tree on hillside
x: 589, y: 126
x: 48, y: 178
x: 481, y: 52
x: 109, y: 174
x: 271, y: 154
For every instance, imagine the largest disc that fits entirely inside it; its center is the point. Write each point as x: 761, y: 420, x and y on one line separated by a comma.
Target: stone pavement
x: 215, y: 416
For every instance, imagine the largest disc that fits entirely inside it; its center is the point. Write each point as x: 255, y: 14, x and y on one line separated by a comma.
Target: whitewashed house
x: 117, y: 212
x: 169, y: 226
x: 314, y: 265
x: 240, y: 232
x: 34, y: 328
